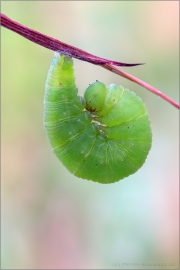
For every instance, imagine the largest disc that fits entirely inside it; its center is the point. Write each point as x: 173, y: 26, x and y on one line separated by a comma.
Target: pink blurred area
x: 50, y: 218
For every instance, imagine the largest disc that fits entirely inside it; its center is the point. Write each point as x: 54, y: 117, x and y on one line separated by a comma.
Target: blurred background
x: 50, y: 218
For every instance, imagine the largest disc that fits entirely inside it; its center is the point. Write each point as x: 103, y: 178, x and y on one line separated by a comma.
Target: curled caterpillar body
x: 104, y: 136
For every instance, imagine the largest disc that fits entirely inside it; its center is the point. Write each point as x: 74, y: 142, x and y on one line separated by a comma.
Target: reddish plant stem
x: 56, y: 45
x: 141, y: 83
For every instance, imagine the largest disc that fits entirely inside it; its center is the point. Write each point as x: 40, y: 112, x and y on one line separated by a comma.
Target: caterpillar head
x: 95, y: 96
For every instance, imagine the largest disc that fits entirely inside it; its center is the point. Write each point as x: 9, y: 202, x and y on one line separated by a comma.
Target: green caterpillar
x: 102, y: 137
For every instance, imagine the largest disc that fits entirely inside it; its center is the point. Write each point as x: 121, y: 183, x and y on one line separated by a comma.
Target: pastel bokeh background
x: 50, y: 218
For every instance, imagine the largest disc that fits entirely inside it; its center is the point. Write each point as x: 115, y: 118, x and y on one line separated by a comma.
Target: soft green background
x: 51, y: 219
